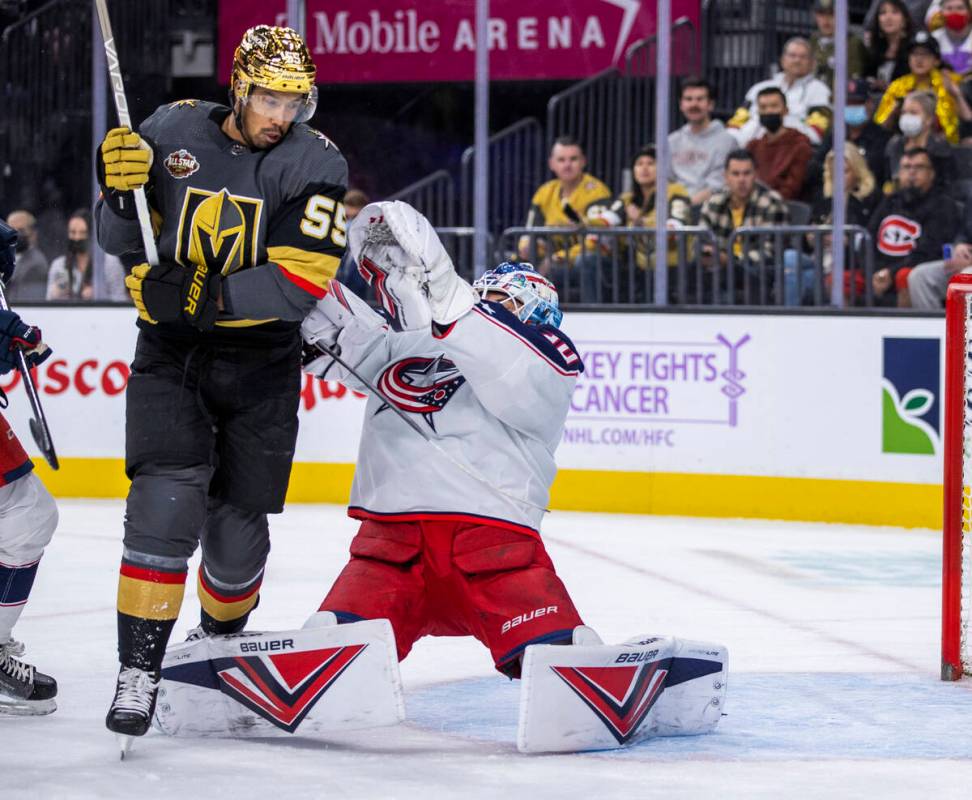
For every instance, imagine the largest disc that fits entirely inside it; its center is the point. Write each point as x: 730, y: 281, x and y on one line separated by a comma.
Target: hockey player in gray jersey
x: 247, y: 205
x: 451, y: 546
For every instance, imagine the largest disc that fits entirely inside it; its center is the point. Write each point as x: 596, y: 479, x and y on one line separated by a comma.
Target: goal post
x: 957, y: 483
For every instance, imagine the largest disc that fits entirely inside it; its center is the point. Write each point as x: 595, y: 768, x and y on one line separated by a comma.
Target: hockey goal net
x: 957, y: 521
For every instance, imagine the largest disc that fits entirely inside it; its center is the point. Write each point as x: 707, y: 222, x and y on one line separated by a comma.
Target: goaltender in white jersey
x: 492, y: 390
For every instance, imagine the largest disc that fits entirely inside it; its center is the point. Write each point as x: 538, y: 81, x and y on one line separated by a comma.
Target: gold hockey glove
x: 124, y: 160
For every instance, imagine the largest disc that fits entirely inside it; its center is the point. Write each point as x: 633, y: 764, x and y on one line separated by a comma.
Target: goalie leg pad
x: 605, y: 697
x: 314, y: 680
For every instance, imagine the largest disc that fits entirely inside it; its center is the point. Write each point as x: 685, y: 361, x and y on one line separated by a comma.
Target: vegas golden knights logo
x: 219, y: 230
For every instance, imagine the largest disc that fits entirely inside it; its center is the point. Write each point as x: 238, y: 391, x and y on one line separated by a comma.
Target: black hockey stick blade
x: 38, y: 422
x: 42, y: 436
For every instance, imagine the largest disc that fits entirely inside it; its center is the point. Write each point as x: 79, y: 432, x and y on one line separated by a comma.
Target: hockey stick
x: 38, y: 422
x: 125, y: 119
x: 418, y: 429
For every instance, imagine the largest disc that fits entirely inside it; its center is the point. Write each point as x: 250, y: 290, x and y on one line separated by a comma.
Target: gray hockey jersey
x: 271, y: 221
x: 492, y: 391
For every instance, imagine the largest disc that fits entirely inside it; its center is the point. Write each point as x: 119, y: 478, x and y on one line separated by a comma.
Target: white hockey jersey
x: 492, y: 391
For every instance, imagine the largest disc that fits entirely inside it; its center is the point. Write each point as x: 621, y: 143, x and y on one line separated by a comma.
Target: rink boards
x: 833, y: 418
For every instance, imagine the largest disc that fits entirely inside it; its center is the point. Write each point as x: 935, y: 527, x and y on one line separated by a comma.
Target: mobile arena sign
x: 397, y: 41
x: 834, y: 418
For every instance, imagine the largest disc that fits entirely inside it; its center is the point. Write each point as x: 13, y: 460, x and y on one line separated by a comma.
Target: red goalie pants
x: 437, y: 578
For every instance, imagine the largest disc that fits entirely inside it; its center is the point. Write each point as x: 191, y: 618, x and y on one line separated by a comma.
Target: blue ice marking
x: 770, y: 717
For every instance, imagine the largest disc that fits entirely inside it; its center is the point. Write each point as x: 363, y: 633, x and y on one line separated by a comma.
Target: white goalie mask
x: 534, y: 297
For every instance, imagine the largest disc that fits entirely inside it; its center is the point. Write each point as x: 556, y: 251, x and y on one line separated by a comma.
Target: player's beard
x: 270, y: 136
x: 258, y: 132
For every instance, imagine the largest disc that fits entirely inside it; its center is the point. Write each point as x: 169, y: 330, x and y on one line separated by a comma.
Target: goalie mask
x: 276, y: 59
x: 534, y: 297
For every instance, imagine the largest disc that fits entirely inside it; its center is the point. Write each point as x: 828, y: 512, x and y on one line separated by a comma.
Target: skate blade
x: 125, y: 743
x: 15, y: 707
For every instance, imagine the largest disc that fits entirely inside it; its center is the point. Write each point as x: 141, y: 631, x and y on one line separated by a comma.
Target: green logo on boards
x: 909, y: 396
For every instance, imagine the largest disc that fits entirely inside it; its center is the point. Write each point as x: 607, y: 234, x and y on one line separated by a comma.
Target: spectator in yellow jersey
x: 564, y: 201
x: 607, y: 270
x: 924, y: 61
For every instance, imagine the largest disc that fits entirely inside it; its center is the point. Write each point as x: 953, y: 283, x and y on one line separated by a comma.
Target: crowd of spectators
x: 907, y: 184
x: 70, y: 275
x: 907, y: 176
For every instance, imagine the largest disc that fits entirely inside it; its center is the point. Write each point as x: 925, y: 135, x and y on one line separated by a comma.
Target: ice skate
x: 195, y: 634
x: 131, y: 711
x: 23, y: 690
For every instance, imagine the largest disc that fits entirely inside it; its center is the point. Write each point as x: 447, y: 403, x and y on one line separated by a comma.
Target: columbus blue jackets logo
x: 282, y: 688
x: 620, y: 697
x: 420, y: 385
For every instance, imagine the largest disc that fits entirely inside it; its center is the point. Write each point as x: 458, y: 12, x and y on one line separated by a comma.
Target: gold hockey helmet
x: 277, y: 59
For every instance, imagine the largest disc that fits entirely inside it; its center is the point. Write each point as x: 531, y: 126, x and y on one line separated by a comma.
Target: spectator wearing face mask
x: 869, y: 138
x: 924, y: 61
x: 916, y: 125
x: 782, y: 154
x: 29, y: 282
x: 807, y: 97
x: 72, y: 275
x: 955, y: 36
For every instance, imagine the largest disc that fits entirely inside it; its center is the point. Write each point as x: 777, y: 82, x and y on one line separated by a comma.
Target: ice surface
x: 833, y: 636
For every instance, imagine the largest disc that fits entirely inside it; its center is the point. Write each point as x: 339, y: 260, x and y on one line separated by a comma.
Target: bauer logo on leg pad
x: 270, y: 684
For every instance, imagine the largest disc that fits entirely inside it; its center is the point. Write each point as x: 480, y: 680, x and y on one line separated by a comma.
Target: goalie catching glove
x: 170, y: 292
x: 398, y: 251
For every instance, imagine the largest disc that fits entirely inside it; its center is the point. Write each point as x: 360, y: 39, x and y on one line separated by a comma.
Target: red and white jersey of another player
x: 14, y: 462
x: 492, y: 391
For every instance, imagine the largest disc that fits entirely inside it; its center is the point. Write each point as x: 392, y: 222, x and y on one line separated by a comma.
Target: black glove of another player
x: 170, y: 292
x: 16, y: 335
